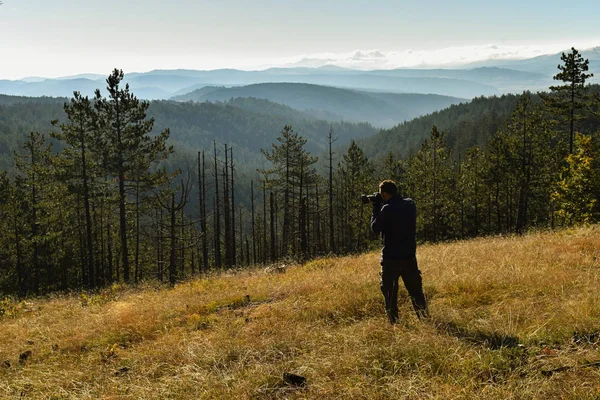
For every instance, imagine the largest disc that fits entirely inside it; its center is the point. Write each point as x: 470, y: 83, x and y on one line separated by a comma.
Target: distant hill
x: 546, y: 64
x: 163, y: 84
x: 6, y: 100
x: 49, y: 87
x: 339, y: 77
x: 380, y: 109
x: 504, y: 79
x: 249, y: 125
x: 484, y: 78
x: 465, y: 125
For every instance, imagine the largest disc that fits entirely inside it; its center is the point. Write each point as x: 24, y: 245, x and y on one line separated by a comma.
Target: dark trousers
x: 391, y: 271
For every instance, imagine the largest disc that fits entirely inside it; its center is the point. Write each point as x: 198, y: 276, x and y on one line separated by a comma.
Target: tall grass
x: 512, y: 318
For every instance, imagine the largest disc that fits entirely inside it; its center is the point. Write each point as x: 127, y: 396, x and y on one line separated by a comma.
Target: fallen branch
x: 569, y: 367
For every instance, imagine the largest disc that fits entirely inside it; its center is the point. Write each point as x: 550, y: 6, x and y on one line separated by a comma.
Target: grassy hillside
x: 511, y: 318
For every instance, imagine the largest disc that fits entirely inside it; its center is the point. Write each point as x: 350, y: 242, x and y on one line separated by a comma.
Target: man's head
x: 388, y: 189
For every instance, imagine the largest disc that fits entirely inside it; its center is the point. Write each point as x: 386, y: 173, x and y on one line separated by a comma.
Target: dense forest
x: 334, y: 104
x: 505, y: 165
x: 464, y: 125
x: 248, y: 124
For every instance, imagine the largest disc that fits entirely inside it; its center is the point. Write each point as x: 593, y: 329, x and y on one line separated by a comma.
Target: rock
x: 121, y: 371
x: 24, y: 356
x: 294, y: 380
x: 278, y: 269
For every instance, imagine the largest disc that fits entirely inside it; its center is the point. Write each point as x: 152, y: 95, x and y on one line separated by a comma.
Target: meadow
x: 511, y: 318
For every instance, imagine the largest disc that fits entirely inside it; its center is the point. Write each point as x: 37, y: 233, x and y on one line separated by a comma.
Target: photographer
x: 394, y: 217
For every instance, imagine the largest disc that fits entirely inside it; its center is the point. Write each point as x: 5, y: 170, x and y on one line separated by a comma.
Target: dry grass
x: 504, y: 310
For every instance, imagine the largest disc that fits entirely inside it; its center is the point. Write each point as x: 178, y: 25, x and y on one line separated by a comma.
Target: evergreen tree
x: 78, y: 134
x: 432, y: 171
x: 394, y: 169
x: 330, y: 141
x: 577, y: 192
x: 570, y: 99
x: 35, y: 184
x: 127, y: 145
x: 292, y: 169
x: 358, y: 176
x: 472, y: 192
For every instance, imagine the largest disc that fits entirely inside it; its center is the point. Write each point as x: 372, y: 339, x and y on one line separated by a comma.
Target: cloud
x: 367, y: 55
x: 449, y: 57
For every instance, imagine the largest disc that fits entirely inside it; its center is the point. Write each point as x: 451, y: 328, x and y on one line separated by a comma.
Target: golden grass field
x: 507, y: 315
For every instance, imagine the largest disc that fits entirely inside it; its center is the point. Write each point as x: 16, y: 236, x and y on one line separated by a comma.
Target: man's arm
x: 378, y: 218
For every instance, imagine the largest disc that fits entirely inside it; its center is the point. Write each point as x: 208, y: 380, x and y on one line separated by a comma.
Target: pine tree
x: 577, y: 192
x: 126, y: 144
x: 35, y: 184
x: 330, y: 141
x: 292, y: 166
x: 78, y: 134
x: 357, y: 173
x: 432, y: 170
x: 172, y: 208
x: 472, y: 192
x: 202, y: 209
x: 570, y: 99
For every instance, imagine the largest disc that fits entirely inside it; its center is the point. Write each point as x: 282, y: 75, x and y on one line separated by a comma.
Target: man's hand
x: 377, y: 207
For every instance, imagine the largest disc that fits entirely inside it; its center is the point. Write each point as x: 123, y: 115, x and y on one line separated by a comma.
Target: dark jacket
x: 396, y: 220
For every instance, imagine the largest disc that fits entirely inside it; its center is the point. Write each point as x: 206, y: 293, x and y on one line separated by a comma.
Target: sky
x: 53, y: 38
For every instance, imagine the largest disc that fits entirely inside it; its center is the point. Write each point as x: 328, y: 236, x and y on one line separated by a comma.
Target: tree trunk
x: 137, y: 230
x: 123, y: 226
x: 272, y: 207
x: 331, y: 224
x: 217, y: 229
x: 253, y: 223
x: 203, y: 228
x: 173, y: 249
x: 88, y: 218
x: 233, y: 246
x: 264, y: 223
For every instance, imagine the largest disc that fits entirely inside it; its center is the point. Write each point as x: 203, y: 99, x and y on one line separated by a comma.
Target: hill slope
x: 515, y: 316
x: 162, y: 84
x: 248, y: 125
x: 545, y: 64
x: 379, y: 109
x: 464, y: 124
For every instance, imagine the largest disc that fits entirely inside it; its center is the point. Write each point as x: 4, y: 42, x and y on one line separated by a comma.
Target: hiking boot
x: 392, y: 316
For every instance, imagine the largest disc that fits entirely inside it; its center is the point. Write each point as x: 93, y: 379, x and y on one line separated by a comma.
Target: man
x: 395, y: 218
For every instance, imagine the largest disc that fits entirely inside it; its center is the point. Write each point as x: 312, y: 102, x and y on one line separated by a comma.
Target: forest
x: 246, y: 123
x: 99, y: 202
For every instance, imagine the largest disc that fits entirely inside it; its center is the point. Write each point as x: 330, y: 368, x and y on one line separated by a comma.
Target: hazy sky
x: 63, y: 37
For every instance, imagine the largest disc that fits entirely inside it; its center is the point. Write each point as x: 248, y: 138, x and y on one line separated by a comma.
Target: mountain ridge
x: 379, y: 109
x: 161, y: 84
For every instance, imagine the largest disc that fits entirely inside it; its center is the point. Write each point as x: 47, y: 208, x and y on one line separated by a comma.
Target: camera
x: 374, y: 198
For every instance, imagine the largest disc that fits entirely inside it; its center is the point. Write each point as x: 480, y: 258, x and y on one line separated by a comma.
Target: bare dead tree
x: 331, y: 140
x: 233, y: 247
x: 173, y: 207
x: 253, y: 223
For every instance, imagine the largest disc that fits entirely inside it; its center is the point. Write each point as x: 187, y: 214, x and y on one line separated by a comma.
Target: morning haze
x: 67, y: 37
